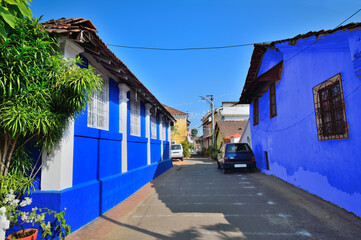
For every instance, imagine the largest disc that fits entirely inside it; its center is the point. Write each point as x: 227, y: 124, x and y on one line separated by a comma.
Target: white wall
x: 246, y: 134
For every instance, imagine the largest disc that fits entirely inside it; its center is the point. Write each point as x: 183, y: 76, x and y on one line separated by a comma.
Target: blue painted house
x: 305, y: 98
x: 118, y: 144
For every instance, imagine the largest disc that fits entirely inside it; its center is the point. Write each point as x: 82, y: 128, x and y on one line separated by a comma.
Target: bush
x: 212, y: 152
x: 185, y: 145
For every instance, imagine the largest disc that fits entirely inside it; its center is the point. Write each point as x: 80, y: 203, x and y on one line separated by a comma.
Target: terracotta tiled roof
x: 70, y: 25
x: 321, y: 33
x: 84, y: 32
x: 229, y: 128
x: 174, y: 111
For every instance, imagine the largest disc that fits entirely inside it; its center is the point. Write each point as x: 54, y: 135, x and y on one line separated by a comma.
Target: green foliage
x: 40, y: 91
x: 204, y: 151
x: 17, y: 182
x: 191, y: 146
x: 11, y: 11
x: 212, y: 152
x: 194, y: 132
x: 185, y: 146
x: 174, y: 130
x: 13, y: 208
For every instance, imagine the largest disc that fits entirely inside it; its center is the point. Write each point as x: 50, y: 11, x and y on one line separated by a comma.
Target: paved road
x: 195, y: 200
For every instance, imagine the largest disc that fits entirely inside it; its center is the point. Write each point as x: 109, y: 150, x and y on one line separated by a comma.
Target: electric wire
x: 220, y: 47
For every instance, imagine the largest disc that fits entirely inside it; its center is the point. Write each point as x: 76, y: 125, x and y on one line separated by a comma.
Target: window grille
x: 255, y: 112
x: 273, y: 109
x: 98, y: 108
x: 153, y: 119
x: 134, y: 115
x: 330, y: 109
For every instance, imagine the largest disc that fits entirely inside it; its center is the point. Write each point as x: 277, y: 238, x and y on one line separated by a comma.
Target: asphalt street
x: 195, y: 200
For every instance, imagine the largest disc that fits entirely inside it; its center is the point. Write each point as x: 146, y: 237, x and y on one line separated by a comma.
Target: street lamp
x: 209, y: 98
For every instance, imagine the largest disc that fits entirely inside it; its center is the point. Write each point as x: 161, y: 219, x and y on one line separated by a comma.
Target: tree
x: 194, y: 132
x: 11, y: 11
x: 185, y: 145
x: 40, y: 92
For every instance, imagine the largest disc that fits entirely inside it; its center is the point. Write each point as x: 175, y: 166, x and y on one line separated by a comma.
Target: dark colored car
x: 236, y: 155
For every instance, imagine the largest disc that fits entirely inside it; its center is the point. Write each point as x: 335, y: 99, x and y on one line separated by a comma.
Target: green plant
x: 191, y: 146
x: 194, y: 132
x: 174, y: 130
x: 185, y: 146
x: 12, y: 11
x: 13, y: 209
x: 40, y: 92
x: 17, y: 183
x: 204, y: 151
x: 212, y: 152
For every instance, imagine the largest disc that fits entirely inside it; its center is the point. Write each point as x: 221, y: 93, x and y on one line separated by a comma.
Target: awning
x: 256, y: 87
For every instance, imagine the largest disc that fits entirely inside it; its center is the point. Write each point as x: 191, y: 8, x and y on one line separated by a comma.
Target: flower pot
x: 18, y: 234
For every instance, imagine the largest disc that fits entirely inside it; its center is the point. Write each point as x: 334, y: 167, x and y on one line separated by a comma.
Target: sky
x: 179, y: 78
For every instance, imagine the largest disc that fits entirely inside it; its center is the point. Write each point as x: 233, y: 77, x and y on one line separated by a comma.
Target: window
x: 153, y: 120
x: 255, y: 112
x: 273, y: 109
x: 237, y: 148
x: 330, y: 109
x: 176, y: 147
x: 98, y: 108
x: 134, y: 115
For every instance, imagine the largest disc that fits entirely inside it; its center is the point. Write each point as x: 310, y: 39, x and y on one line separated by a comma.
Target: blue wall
x: 98, y: 181
x: 155, y: 150
x: 85, y: 202
x: 330, y: 169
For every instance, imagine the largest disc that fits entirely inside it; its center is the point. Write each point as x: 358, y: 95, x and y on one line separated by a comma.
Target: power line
x: 348, y: 18
x: 322, y: 37
x: 185, y: 49
x: 221, y: 47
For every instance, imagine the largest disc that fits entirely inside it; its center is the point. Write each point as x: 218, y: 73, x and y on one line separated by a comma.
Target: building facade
x: 305, y: 95
x: 180, y: 131
x: 229, y: 111
x: 119, y: 143
x: 229, y: 131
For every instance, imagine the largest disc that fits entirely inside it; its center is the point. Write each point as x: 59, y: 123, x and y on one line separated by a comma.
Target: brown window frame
x: 330, y: 109
x: 272, y: 101
x: 255, y: 112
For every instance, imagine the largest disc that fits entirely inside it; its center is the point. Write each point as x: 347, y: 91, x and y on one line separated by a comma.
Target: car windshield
x: 176, y: 147
x: 235, y: 148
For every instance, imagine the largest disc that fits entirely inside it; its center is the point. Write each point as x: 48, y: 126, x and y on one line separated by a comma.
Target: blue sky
x: 178, y: 78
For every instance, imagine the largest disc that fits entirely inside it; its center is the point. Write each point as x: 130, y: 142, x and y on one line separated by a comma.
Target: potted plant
x: 18, y: 217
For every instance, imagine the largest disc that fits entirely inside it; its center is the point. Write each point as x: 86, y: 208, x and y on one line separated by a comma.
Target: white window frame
x: 99, y: 100
x: 134, y: 115
x: 153, y: 120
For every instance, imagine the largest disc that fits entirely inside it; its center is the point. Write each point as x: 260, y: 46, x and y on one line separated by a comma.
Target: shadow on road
x: 199, y: 187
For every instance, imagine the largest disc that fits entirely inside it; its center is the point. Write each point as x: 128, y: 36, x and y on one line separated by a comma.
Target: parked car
x: 234, y: 156
x: 176, y: 151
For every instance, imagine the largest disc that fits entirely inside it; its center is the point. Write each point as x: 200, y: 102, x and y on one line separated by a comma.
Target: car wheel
x: 218, y: 165
x: 252, y: 170
x: 181, y: 159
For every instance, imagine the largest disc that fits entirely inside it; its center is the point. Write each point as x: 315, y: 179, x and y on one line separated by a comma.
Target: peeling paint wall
x: 330, y: 169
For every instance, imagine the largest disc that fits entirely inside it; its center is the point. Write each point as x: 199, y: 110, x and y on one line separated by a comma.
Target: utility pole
x: 209, y: 98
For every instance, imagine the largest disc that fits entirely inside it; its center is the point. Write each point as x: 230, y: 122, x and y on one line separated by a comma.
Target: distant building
x: 246, y: 134
x: 180, y: 132
x: 229, y: 131
x: 229, y: 111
